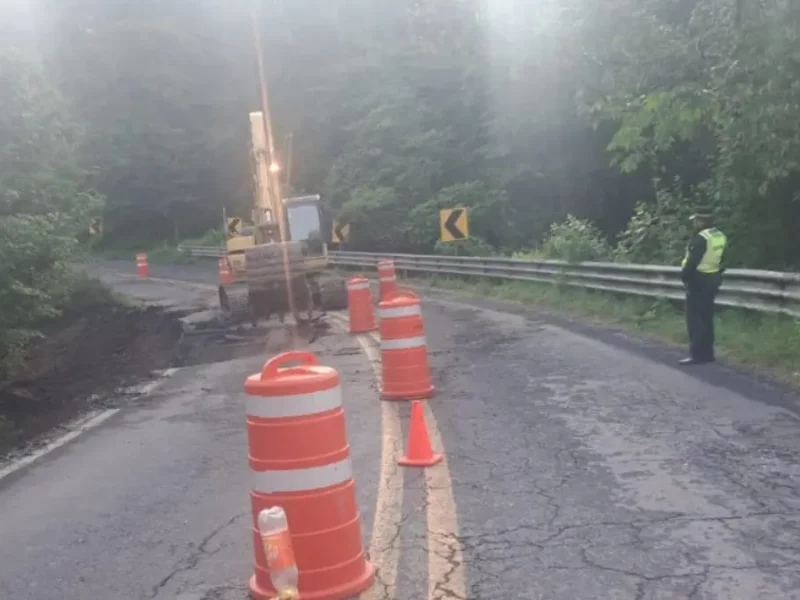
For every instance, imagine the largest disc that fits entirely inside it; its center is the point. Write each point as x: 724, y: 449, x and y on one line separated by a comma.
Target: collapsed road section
x: 104, y: 350
x: 153, y: 503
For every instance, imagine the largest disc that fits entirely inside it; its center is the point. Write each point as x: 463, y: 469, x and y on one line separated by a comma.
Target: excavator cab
x: 304, y: 216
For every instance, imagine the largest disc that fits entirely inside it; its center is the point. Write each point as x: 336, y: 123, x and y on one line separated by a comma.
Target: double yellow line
x: 446, y: 569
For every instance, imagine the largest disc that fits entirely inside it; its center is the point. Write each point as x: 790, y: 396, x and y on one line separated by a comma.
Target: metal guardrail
x: 766, y: 291
x: 203, y: 251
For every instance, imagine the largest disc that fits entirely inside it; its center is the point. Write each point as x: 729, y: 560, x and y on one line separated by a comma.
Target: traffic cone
x: 405, y: 372
x: 359, y: 306
x: 225, y: 276
x: 387, y: 279
x: 299, y: 458
x: 142, y: 266
x: 419, y: 452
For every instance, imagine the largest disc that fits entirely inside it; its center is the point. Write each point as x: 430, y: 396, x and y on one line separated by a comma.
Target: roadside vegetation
x: 768, y: 343
x: 44, y: 204
x: 577, y: 129
x: 157, y: 253
x: 764, y: 341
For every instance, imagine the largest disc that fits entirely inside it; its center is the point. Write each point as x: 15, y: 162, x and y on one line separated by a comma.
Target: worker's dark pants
x: 700, y: 294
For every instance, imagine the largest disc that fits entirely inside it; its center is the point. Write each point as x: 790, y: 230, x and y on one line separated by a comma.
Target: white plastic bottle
x: 274, y: 528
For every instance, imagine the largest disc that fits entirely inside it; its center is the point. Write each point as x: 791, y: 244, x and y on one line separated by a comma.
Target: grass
x: 764, y: 341
x: 767, y: 342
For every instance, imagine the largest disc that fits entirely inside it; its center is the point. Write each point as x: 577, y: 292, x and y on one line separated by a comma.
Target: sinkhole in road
x: 207, y: 338
x: 90, y: 359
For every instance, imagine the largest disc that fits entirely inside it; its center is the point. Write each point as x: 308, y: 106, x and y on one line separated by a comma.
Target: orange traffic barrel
x: 405, y: 373
x: 300, y: 460
x: 142, y: 266
x: 225, y: 276
x: 387, y: 278
x: 359, y: 306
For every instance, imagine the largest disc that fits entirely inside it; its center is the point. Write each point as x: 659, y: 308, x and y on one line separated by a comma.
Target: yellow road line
x: 384, y: 546
x: 446, y: 568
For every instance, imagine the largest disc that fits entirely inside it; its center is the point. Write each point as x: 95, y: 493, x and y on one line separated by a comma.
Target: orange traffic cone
x: 405, y: 372
x: 225, y: 276
x: 142, y: 266
x: 359, y: 306
x: 299, y: 458
x: 419, y: 452
x: 387, y: 279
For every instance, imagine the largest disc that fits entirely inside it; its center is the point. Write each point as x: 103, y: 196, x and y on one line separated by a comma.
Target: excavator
x: 256, y: 256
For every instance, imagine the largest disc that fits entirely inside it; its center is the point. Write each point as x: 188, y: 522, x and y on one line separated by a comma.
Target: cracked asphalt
x: 583, y: 464
x: 154, y: 504
x: 584, y: 469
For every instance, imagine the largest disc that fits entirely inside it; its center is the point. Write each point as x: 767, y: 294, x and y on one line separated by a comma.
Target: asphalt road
x: 583, y: 469
x: 582, y: 464
x: 154, y: 503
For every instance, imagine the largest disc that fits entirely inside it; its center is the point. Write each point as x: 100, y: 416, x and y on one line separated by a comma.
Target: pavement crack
x: 398, y: 529
x: 442, y: 588
x: 191, y: 561
x: 694, y: 592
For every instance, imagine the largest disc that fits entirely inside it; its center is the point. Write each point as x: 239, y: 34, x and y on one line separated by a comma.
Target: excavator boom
x: 286, y: 231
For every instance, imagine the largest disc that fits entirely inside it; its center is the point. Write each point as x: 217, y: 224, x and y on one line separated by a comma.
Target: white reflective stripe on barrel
x: 399, y: 311
x: 358, y: 286
x: 298, y: 405
x: 302, y: 480
x: 392, y: 278
x: 403, y: 343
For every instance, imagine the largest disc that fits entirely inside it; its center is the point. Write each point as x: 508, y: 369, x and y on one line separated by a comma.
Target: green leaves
x: 43, y: 202
x: 525, y: 116
x: 651, y: 124
x: 576, y: 240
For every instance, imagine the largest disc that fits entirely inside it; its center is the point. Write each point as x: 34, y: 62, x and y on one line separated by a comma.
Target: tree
x: 44, y: 200
x: 164, y: 108
x: 608, y: 111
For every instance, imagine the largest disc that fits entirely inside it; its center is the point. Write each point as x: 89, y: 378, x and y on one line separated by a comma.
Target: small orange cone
x: 225, y: 276
x: 419, y: 452
x: 142, y: 266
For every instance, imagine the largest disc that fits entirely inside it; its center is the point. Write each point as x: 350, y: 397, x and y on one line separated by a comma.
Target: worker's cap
x: 702, y: 212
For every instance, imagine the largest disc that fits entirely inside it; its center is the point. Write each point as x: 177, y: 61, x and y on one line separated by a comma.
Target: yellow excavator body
x: 256, y: 255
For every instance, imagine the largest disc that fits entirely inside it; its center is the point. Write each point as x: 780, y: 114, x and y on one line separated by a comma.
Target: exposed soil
x: 97, y: 346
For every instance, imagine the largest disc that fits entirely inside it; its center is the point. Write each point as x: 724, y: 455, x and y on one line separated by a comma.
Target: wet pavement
x: 154, y: 503
x: 582, y: 470
x: 582, y: 465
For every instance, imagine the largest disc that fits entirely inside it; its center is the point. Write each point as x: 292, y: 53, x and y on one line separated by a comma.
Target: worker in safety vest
x: 701, y: 272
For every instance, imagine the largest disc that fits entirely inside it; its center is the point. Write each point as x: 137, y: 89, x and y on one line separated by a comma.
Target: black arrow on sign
x: 450, y: 224
x: 340, y: 235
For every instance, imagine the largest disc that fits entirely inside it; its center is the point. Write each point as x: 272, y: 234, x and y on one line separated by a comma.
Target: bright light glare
x: 274, y: 168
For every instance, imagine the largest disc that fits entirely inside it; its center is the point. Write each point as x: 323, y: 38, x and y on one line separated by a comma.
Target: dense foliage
x: 525, y: 112
x: 43, y: 201
x: 574, y: 128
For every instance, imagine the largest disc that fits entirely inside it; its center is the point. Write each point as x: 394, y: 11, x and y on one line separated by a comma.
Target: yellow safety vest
x: 715, y: 246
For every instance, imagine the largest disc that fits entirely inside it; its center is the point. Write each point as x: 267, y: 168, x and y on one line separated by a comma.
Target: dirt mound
x: 95, y: 347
